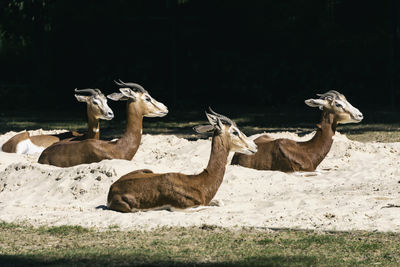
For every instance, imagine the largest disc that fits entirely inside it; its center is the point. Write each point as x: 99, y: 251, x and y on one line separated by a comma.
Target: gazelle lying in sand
x: 288, y: 155
x: 139, y: 104
x: 97, y: 108
x: 145, y: 190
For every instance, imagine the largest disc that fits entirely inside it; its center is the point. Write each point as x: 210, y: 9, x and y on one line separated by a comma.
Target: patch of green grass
x: 5, y: 225
x: 265, y: 241
x: 113, y: 227
x: 205, y: 246
x: 63, y: 230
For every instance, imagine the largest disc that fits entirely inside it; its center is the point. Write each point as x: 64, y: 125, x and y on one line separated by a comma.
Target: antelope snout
x: 158, y: 110
x: 251, y: 148
x: 355, y: 114
x: 109, y: 115
x: 163, y: 110
x: 359, y: 116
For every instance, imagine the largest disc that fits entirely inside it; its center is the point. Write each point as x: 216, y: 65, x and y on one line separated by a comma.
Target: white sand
x: 357, y: 181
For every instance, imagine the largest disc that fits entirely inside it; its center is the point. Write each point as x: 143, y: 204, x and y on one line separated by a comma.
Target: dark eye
x: 96, y: 103
x: 148, y: 99
x: 235, y: 132
x: 338, y: 105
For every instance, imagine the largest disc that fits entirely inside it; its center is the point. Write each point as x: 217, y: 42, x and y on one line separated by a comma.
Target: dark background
x: 265, y: 55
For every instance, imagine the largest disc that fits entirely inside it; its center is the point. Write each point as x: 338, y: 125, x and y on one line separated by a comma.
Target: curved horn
x: 88, y: 90
x: 222, y: 117
x: 332, y: 93
x: 118, y: 83
x: 131, y: 85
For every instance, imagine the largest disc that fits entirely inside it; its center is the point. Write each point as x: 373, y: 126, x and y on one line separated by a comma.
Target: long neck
x: 319, y: 146
x: 129, y: 143
x: 213, y: 175
x: 93, y: 130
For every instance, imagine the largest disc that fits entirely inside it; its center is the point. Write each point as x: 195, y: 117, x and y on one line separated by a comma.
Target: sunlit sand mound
x: 357, y: 186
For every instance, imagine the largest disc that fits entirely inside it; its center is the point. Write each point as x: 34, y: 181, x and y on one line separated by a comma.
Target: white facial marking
x: 354, y: 110
x: 242, y: 143
x: 356, y: 115
x: 157, y: 109
x: 340, y: 103
x: 96, y: 130
x: 340, y: 106
x: 146, y: 98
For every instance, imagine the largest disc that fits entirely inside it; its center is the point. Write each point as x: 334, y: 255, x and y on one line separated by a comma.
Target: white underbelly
x: 27, y: 147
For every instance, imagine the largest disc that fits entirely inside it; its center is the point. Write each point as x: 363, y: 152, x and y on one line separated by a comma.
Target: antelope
x: 97, y: 108
x: 145, y: 190
x: 290, y: 156
x: 139, y: 104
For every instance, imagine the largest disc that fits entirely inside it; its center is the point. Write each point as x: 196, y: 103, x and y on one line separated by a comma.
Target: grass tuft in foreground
x: 205, y: 246
x: 64, y: 230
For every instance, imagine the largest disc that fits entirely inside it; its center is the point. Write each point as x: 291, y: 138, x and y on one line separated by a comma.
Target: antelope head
x: 136, y: 93
x: 238, y: 141
x: 335, y: 102
x: 96, y: 103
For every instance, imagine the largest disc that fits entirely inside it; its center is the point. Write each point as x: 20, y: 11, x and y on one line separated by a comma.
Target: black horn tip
x: 119, y: 82
x: 209, y: 111
x: 87, y: 90
x: 212, y: 111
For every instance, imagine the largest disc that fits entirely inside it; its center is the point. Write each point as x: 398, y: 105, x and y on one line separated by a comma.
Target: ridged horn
x: 332, y: 93
x: 136, y: 86
x: 88, y: 90
x: 222, y: 117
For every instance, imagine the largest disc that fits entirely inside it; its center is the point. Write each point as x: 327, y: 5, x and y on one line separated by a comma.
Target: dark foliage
x: 206, y: 52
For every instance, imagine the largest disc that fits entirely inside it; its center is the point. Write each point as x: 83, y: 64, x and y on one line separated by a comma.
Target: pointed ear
x: 316, y: 103
x: 117, y: 97
x: 129, y: 93
x: 220, y: 125
x: 203, y: 128
x: 212, y: 118
x: 82, y: 98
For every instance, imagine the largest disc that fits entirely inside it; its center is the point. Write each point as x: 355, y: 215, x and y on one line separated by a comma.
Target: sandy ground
x: 356, y: 187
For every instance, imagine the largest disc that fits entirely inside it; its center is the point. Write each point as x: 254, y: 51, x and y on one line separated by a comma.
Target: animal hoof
x: 216, y: 203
